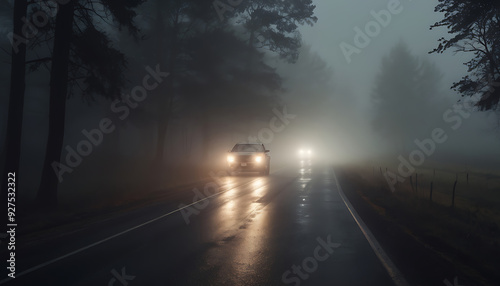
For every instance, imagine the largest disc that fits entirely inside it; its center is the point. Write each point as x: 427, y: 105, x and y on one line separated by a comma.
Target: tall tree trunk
x: 47, y: 192
x: 16, y: 101
x: 166, y: 98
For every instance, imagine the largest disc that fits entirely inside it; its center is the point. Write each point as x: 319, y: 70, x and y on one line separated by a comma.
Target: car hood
x: 246, y: 153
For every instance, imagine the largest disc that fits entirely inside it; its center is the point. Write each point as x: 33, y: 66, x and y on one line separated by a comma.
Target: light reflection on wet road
x: 252, y: 233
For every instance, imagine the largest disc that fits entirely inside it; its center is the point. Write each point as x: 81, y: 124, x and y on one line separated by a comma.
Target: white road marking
x: 27, y: 271
x: 391, y: 268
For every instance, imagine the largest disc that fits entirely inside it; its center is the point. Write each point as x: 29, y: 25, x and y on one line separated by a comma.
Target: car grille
x: 244, y: 158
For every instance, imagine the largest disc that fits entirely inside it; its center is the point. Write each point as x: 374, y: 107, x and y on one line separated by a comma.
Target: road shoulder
x: 420, y: 264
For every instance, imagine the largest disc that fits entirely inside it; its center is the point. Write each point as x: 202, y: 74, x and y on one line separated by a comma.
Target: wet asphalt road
x: 290, y: 228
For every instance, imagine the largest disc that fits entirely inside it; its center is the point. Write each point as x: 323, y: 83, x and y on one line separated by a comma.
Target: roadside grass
x: 467, y: 234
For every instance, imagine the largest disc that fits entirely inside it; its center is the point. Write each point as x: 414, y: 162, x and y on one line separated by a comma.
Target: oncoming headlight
x: 230, y: 158
x: 305, y: 153
x: 258, y: 159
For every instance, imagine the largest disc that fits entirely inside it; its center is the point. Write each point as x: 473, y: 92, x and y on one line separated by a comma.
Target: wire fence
x: 467, y: 189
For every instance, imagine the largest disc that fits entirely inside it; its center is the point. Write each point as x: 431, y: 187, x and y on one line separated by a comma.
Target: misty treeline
x: 407, y: 98
x: 187, y: 72
x: 407, y: 102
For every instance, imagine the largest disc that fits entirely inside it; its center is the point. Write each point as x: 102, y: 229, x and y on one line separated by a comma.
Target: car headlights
x: 230, y: 158
x: 258, y: 159
x: 305, y: 152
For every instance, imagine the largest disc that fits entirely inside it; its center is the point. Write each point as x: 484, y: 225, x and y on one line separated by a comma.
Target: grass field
x: 467, y: 234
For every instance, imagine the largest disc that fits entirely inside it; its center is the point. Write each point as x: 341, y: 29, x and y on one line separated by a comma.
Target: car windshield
x: 248, y: 148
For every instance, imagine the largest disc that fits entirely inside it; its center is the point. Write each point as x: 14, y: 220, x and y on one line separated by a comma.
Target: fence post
x: 416, y: 183
x: 453, y: 195
x: 411, y: 183
x: 431, y: 192
x: 432, y: 182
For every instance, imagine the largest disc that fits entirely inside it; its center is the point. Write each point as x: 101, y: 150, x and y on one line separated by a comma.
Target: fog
x: 347, y: 109
x: 473, y: 142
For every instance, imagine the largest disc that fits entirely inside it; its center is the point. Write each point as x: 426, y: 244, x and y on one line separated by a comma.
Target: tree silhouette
x: 82, y: 50
x: 16, y: 97
x: 273, y: 25
x: 211, y: 79
x: 402, y: 94
x: 475, y: 26
x: 221, y: 92
x: 308, y: 87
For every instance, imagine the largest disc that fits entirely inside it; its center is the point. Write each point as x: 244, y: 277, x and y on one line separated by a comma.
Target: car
x: 249, y: 157
x: 305, y: 153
